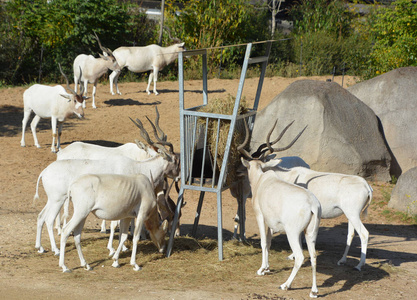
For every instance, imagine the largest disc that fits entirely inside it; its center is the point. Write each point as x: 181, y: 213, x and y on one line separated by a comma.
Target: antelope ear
x: 272, y: 163
x: 66, y: 96
x: 105, y: 57
x: 86, y: 97
x: 164, y: 226
x: 245, y: 162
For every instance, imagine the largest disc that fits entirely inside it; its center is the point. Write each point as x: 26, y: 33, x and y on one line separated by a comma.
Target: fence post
x: 40, y: 65
x: 301, y: 58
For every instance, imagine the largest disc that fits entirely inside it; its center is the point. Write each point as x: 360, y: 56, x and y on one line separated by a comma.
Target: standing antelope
x: 50, y: 102
x: 141, y: 59
x: 114, y: 197
x: 241, y: 188
x: 89, y: 69
x: 338, y: 194
x: 284, y: 207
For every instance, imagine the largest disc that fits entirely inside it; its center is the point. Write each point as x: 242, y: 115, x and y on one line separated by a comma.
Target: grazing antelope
x: 114, y: 197
x: 57, y: 177
x: 50, y: 102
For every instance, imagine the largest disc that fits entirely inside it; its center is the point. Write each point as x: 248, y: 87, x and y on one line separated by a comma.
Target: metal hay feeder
x: 198, y: 168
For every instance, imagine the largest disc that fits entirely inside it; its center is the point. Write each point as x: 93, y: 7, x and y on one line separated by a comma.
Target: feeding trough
x: 204, y: 158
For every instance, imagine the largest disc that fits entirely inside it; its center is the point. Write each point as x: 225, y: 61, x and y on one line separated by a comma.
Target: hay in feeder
x: 225, y: 107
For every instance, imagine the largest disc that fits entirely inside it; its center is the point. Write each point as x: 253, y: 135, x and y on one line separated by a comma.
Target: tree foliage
x: 394, y: 33
x: 35, y: 38
x: 206, y: 24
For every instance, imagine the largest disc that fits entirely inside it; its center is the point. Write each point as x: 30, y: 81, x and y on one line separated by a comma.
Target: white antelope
x: 241, y: 189
x: 60, y: 174
x: 141, y: 59
x: 338, y: 194
x: 50, y: 102
x: 80, y: 150
x: 114, y: 197
x: 284, y: 207
x: 89, y: 69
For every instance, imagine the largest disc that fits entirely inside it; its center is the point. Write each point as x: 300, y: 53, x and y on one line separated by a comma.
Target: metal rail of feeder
x: 193, y: 131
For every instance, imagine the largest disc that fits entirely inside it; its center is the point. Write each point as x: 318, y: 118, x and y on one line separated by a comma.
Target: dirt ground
x: 390, y: 272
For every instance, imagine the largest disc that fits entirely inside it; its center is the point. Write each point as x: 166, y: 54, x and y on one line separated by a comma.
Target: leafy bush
x: 394, y: 32
x: 35, y: 38
x: 206, y: 24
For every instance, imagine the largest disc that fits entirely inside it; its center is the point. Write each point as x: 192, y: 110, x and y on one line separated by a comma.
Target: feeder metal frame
x: 190, y: 133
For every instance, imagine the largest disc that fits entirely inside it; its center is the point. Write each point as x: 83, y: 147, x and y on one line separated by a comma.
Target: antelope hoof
x: 136, y: 268
x: 115, y: 264
x: 65, y: 270
x: 358, y: 268
x: 283, y: 287
x: 290, y: 257
x: 87, y: 268
x: 262, y: 271
x: 41, y: 250
x: 313, y: 294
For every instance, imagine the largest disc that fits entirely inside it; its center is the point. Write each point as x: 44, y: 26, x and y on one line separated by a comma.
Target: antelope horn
x: 81, y: 83
x: 143, y: 132
x: 160, y: 141
x: 160, y: 131
x: 66, y: 78
x: 104, y: 49
x: 269, y: 144
x: 241, y: 147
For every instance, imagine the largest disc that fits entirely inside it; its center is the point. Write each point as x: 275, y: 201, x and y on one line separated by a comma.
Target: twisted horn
x: 143, y: 132
x: 241, y: 147
x: 160, y: 141
x: 160, y: 131
x: 269, y: 144
x: 104, y: 49
x: 66, y: 78
x: 81, y: 83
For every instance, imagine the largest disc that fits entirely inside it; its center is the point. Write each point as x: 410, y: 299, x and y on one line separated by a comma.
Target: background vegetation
x: 327, y: 35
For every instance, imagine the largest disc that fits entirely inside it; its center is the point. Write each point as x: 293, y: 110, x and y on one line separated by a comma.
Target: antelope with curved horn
x: 89, y: 69
x: 141, y: 59
x: 50, y: 102
x: 241, y: 190
x: 282, y: 207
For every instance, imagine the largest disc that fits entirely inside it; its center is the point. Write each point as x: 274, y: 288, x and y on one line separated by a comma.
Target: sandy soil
x: 391, y: 267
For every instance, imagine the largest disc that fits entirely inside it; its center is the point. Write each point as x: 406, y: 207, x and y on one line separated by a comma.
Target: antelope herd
x: 129, y: 184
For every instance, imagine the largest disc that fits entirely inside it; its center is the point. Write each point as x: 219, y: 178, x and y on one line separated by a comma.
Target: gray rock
x: 393, y: 98
x: 342, y: 134
x: 404, y: 194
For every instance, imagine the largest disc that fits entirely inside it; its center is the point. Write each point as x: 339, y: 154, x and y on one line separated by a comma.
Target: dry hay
x: 225, y: 107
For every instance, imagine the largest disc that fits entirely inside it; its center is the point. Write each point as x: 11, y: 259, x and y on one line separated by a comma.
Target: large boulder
x: 342, y: 134
x: 404, y: 194
x: 393, y: 98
